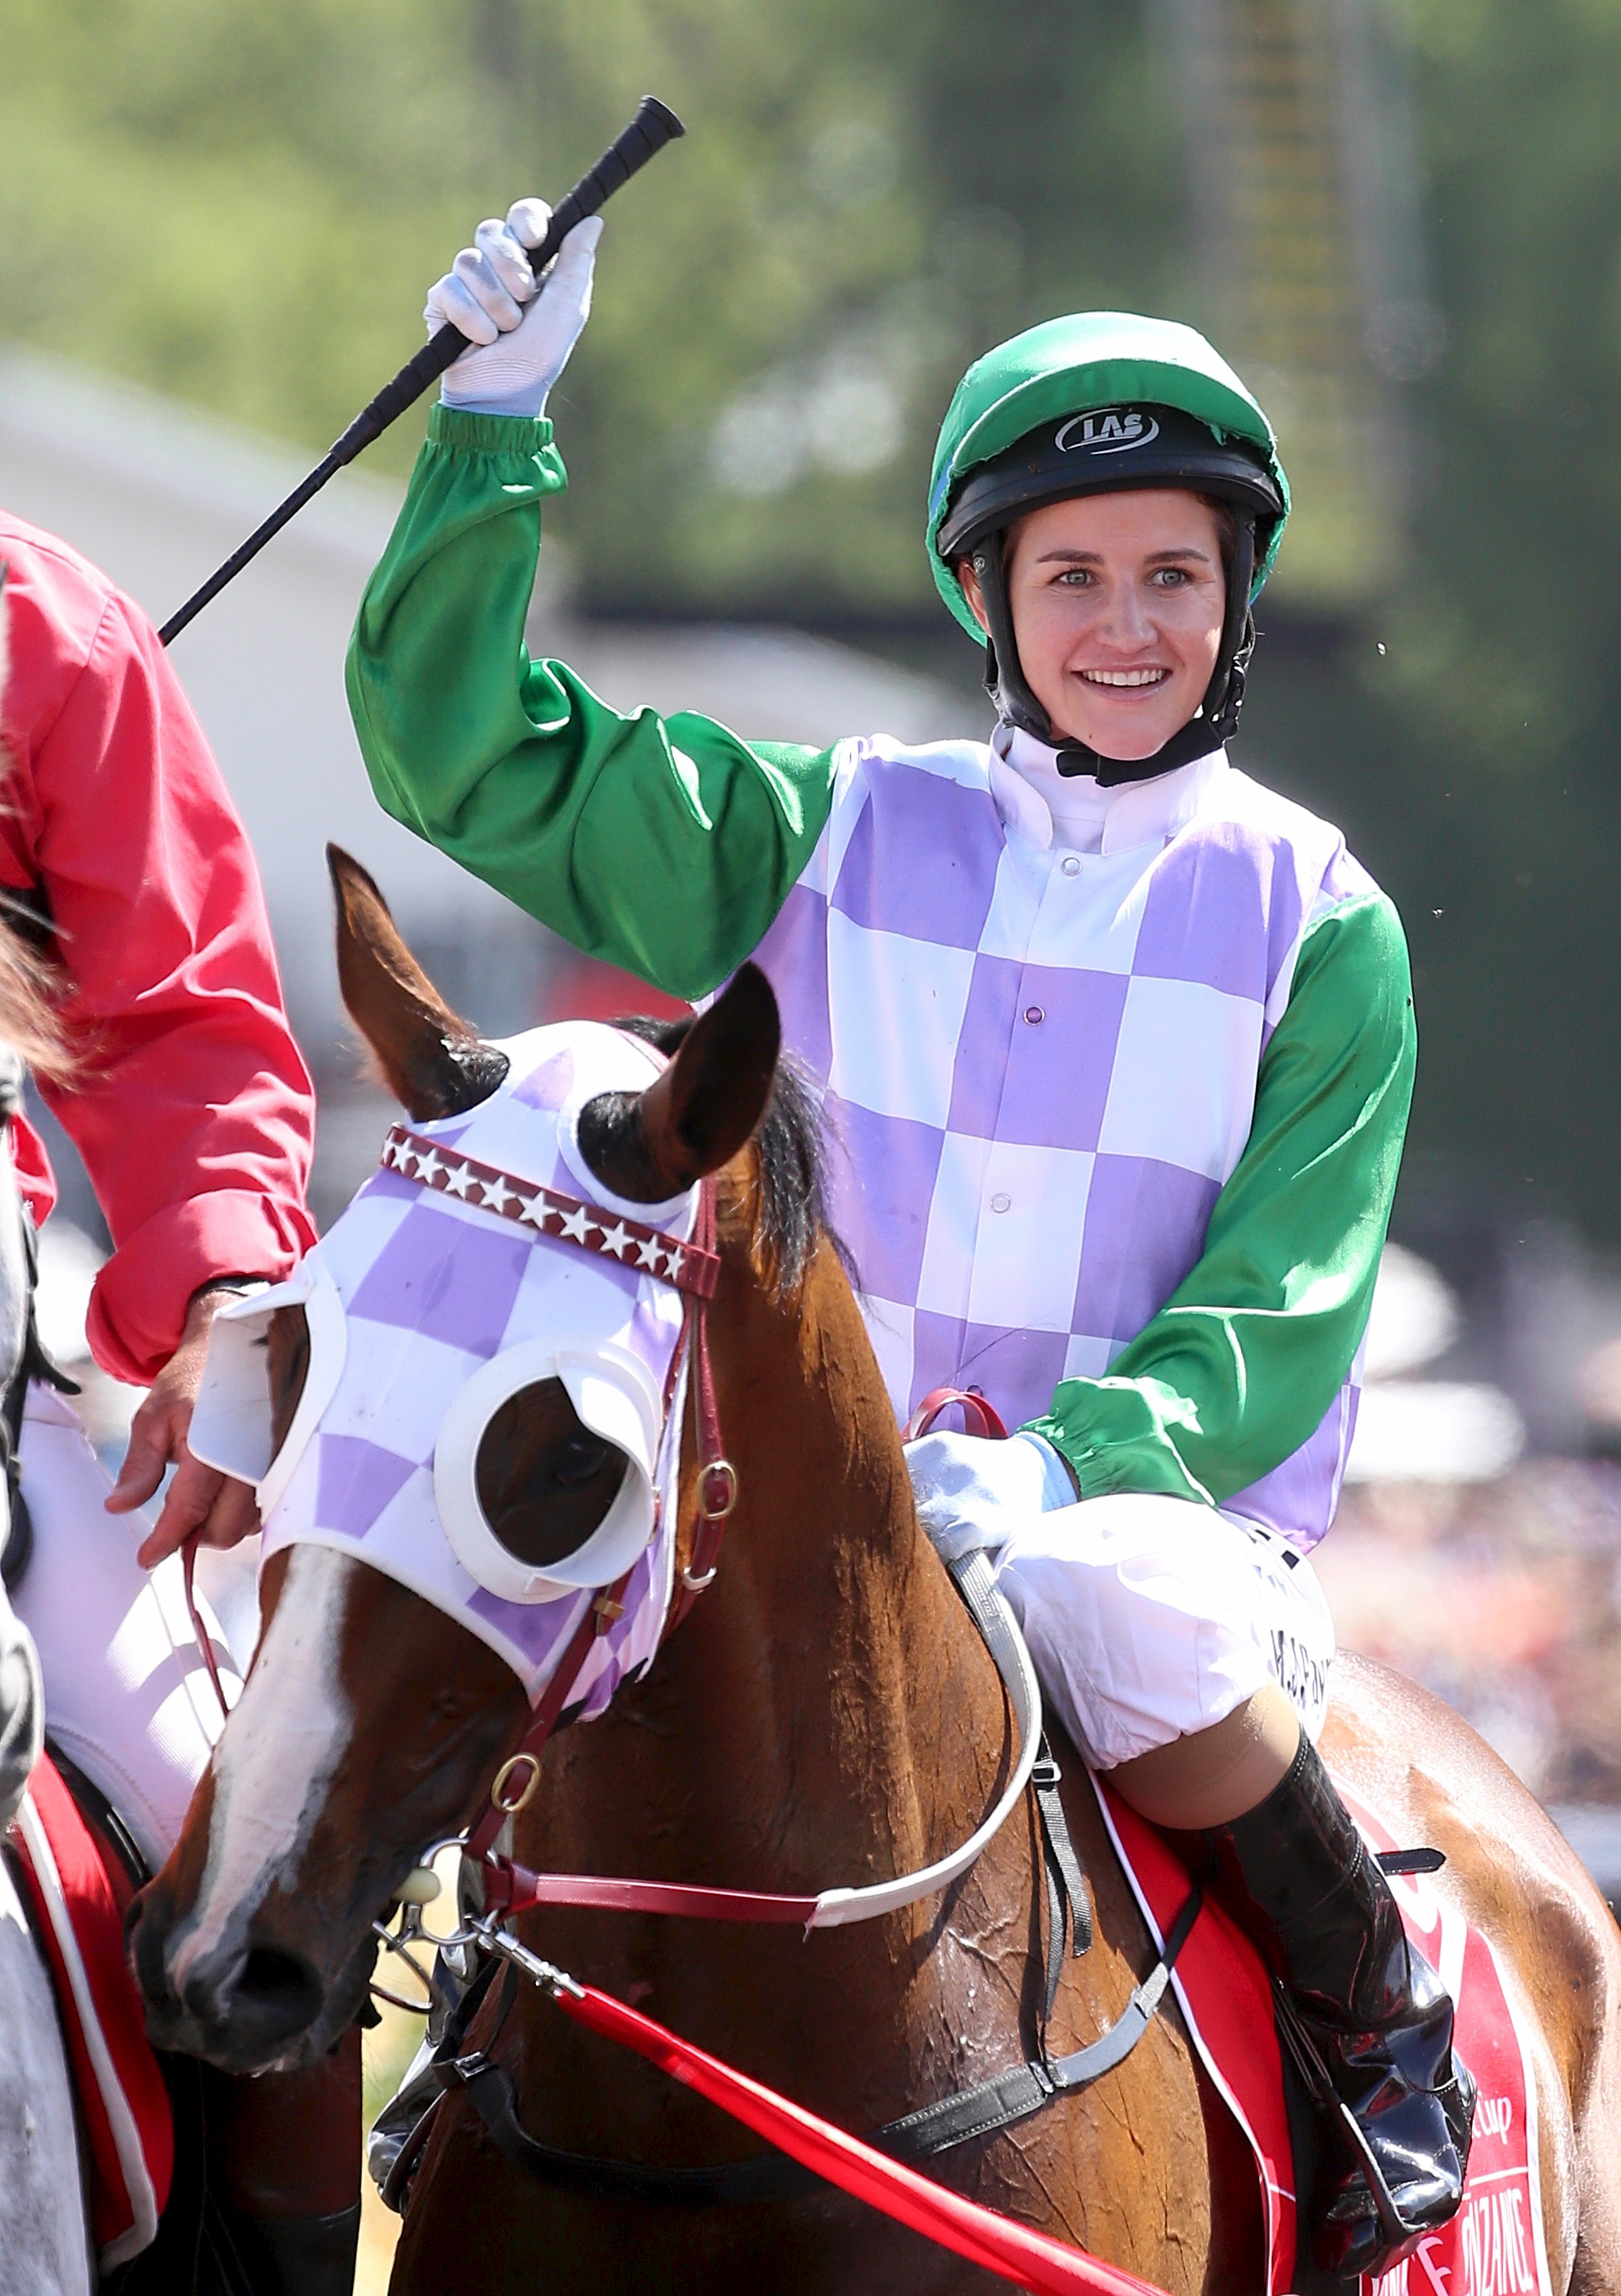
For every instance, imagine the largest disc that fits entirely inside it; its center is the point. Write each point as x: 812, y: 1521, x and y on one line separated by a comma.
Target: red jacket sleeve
x: 192, y: 1109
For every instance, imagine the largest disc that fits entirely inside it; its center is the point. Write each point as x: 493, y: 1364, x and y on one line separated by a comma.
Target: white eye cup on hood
x: 615, y: 1396
x: 231, y: 1426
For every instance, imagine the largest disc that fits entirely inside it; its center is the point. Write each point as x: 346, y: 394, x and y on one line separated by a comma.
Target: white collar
x: 1136, y: 812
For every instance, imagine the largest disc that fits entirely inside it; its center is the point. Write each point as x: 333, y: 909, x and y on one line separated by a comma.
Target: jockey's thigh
x: 1151, y: 1618
x: 128, y: 1697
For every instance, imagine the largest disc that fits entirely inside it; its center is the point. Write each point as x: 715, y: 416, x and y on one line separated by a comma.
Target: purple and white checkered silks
x: 431, y: 1290
x: 1041, y: 1064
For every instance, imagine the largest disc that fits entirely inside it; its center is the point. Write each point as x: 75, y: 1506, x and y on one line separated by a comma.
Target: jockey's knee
x: 1152, y: 1621
x: 1219, y: 1774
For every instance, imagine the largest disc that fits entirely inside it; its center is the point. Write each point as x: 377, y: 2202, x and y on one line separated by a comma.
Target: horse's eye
x: 546, y: 1480
x: 578, y: 1460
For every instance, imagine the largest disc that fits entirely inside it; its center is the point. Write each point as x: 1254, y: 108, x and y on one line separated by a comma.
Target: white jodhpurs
x: 1150, y: 1617
x: 126, y: 1695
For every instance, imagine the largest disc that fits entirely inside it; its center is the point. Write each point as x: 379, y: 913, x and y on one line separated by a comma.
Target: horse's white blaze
x: 275, y: 1761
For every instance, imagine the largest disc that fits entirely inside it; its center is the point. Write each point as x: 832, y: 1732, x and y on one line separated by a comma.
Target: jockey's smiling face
x: 1117, y: 604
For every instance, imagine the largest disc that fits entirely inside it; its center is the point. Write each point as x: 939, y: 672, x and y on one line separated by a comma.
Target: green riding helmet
x: 1103, y: 402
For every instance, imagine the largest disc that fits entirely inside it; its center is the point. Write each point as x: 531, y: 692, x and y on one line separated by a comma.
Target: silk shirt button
x: 1000, y: 1203
x: 1072, y: 865
x: 1034, y: 1015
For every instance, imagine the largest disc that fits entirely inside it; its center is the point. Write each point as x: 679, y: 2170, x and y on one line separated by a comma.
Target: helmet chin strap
x: 1212, y: 724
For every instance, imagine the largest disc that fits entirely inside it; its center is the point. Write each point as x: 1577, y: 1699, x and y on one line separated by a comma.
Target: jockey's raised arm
x: 664, y: 845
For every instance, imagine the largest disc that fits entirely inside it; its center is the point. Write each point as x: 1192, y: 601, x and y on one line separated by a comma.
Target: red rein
x: 510, y: 1889
x: 1013, y: 2251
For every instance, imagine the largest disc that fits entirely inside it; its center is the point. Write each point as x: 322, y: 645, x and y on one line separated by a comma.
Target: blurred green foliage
x: 243, y: 205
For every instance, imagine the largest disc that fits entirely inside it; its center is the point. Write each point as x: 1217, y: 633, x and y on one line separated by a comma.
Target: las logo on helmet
x: 1112, y: 430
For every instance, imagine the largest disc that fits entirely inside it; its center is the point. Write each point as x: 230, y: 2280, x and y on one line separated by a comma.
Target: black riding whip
x: 654, y: 127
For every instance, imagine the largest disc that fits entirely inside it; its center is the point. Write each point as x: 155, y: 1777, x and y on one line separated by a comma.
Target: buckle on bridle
x: 712, y: 1509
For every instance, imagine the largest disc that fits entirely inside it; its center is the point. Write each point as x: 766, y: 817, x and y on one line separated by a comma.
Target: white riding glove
x: 974, y: 1491
x: 529, y: 326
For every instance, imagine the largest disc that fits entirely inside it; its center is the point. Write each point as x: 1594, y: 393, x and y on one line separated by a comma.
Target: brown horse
x: 827, y: 1715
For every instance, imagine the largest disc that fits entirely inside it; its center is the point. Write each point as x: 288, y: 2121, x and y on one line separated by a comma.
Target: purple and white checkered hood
x: 431, y: 1290
x: 1041, y: 1064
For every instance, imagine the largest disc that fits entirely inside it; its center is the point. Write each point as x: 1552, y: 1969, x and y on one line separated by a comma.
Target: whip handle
x: 653, y: 126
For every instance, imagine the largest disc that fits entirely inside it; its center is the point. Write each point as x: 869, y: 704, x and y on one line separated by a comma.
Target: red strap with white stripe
x: 124, y: 2105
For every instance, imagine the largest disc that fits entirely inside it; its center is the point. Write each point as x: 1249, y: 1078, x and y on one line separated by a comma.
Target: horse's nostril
x: 269, y: 1997
x: 277, y: 1988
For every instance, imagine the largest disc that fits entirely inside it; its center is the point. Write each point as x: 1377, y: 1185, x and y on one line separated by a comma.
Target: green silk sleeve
x: 664, y: 845
x: 1240, y: 1366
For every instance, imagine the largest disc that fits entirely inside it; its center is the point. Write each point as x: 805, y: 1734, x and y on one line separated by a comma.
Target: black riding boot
x: 1299, y: 1879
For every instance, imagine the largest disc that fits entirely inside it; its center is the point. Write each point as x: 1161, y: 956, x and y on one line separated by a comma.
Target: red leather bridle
x: 693, y: 1266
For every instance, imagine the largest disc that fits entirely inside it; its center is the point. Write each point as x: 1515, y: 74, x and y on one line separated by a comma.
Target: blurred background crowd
x: 1400, y: 220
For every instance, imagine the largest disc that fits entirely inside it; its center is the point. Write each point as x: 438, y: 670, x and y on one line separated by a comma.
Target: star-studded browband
x: 548, y: 1212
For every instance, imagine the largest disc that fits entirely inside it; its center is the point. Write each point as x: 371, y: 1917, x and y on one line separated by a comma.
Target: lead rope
x: 204, y: 1640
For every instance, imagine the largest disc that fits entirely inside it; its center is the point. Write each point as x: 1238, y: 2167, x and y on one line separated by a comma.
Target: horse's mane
x: 793, y: 1178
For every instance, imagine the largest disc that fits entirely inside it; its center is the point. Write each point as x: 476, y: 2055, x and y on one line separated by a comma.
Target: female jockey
x: 1118, y: 1045
x: 191, y: 1106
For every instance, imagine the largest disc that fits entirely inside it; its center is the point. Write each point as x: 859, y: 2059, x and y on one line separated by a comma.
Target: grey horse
x: 45, y: 2242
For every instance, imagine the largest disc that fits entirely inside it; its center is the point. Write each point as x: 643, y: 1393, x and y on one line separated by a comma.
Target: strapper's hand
x: 200, y: 1499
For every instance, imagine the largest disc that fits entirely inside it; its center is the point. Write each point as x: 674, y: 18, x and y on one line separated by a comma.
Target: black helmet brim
x: 1109, y: 450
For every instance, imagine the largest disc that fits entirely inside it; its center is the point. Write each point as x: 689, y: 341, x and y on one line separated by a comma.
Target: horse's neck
x: 827, y: 1714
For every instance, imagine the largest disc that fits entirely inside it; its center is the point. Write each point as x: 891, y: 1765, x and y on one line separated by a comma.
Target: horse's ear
x: 709, y: 1099
x: 433, y: 1063
x: 696, y: 1116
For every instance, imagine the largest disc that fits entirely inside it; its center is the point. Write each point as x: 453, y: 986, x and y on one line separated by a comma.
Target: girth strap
x: 1069, y: 1912
x: 1012, y: 2095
